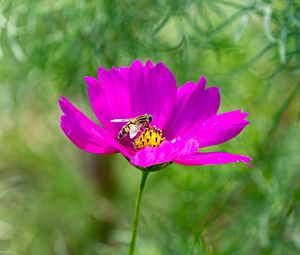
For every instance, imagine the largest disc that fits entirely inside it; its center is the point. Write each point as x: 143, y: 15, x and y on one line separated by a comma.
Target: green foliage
x: 55, y: 199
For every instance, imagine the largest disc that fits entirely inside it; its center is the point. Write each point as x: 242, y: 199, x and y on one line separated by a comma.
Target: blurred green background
x: 58, y: 200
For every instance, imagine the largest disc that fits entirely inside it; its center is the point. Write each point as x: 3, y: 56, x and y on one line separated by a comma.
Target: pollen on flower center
x: 151, y: 136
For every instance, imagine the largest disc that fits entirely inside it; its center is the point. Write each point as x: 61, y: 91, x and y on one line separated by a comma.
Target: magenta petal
x: 194, y: 104
x: 152, y: 89
x: 130, y: 92
x: 166, y: 152
x: 212, y: 158
x: 221, y: 128
x: 82, y: 131
x: 98, y: 102
x: 161, y: 87
x: 110, y: 98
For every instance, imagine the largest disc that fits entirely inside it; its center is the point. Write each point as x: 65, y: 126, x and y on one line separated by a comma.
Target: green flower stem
x: 137, y: 212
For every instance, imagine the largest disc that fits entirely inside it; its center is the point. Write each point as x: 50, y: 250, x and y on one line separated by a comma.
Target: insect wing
x: 120, y: 120
x: 134, y: 129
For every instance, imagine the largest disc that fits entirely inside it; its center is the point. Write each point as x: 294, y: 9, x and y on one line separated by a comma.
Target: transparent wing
x: 120, y: 120
x: 134, y: 129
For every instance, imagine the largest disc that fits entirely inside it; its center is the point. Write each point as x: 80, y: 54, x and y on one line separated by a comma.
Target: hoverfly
x: 133, y: 126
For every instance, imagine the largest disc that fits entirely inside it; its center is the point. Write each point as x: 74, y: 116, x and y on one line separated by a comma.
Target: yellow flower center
x: 151, y: 136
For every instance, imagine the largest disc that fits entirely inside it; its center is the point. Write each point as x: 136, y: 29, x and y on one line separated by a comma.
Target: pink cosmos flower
x: 186, y: 118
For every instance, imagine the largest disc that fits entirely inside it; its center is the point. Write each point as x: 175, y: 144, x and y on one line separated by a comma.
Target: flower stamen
x: 151, y: 136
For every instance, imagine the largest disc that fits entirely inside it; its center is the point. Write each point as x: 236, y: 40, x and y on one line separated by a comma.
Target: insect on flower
x: 170, y: 124
x: 133, y: 126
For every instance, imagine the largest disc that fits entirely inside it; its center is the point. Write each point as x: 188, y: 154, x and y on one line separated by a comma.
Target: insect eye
x: 150, y: 118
